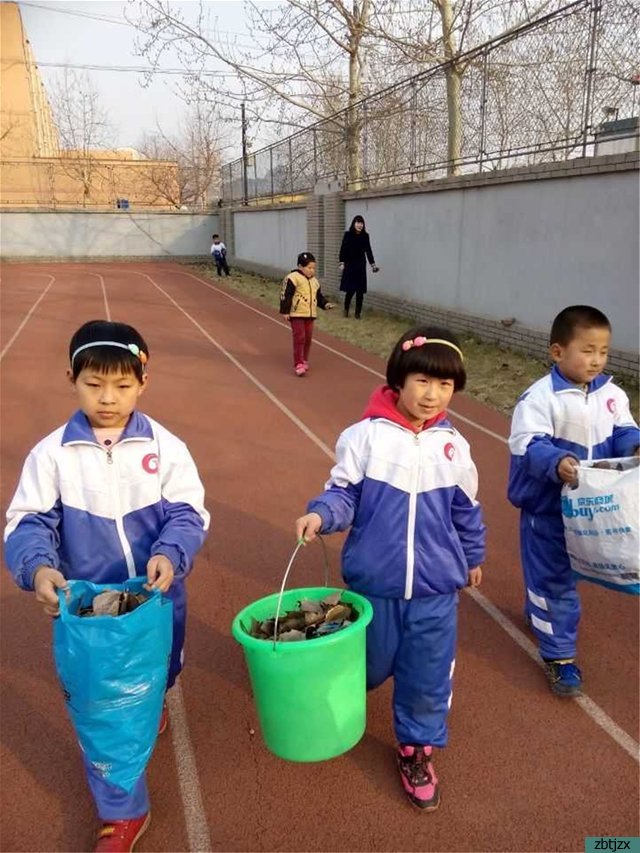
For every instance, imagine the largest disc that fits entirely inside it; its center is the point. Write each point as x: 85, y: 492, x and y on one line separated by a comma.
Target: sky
x: 61, y: 32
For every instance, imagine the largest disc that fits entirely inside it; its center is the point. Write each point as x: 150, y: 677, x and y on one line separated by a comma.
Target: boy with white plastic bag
x: 575, y: 413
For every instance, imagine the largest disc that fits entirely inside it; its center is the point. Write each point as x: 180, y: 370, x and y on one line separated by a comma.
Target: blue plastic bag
x: 113, y: 670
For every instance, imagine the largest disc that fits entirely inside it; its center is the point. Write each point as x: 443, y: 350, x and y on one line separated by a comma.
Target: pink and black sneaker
x: 418, y: 778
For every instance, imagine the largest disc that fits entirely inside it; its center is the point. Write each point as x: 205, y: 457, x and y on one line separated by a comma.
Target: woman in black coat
x: 354, y: 253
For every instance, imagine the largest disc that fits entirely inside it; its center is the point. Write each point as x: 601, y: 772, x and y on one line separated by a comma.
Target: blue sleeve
x: 533, y: 475
x: 33, y: 518
x: 338, y: 504
x: 466, y: 515
x: 186, y: 520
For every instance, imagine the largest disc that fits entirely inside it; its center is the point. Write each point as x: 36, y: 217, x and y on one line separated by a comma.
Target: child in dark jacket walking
x: 405, y: 484
x: 300, y: 298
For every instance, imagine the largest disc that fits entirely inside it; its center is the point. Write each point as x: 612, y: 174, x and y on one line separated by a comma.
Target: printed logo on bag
x: 103, y: 768
x: 150, y: 463
x: 588, y: 507
x: 611, y: 405
x: 449, y: 451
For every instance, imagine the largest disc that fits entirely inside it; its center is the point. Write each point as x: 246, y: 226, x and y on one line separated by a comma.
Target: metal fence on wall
x: 536, y: 94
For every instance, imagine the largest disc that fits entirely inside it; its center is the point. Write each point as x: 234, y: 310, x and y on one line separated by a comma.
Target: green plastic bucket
x: 310, y: 695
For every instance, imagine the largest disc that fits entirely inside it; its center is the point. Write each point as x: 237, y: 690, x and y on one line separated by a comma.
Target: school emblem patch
x: 150, y: 463
x: 449, y: 451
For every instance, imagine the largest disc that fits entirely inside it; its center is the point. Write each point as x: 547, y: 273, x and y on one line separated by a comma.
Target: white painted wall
x: 523, y: 250
x: 79, y: 234
x: 274, y: 238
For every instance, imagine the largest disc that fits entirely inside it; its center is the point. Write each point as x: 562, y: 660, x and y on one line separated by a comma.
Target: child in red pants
x: 300, y: 298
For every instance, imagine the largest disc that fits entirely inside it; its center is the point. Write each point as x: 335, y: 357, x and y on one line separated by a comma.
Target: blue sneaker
x: 564, y: 677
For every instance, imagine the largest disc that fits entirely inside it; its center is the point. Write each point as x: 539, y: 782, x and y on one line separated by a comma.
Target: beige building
x: 35, y: 171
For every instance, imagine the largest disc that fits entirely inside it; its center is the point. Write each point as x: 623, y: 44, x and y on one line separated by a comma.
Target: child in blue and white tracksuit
x: 405, y: 484
x: 219, y: 255
x: 108, y: 496
x: 574, y: 413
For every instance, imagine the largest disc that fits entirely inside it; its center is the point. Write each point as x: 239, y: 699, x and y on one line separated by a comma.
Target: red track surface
x: 523, y: 771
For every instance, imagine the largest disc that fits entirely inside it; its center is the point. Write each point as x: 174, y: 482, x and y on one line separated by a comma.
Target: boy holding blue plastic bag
x: 575, y: 413
x: 108, y: 497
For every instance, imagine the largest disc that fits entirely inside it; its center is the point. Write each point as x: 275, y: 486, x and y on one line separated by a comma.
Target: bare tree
x: 307, y: 54
x: 83, y: 127
x: 193, y: 174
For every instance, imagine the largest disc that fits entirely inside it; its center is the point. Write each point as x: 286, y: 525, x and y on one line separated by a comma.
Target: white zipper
x: 590, y: 443
x: 411, y: 523
x: 124, y: 542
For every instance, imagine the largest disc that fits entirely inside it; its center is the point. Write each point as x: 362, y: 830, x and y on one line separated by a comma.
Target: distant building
x: 36, y: 172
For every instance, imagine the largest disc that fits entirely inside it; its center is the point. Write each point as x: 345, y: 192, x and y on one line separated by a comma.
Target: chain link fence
x: 536, y: 94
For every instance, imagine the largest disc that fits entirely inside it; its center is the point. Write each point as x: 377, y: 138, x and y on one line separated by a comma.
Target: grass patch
x: 496, y: 375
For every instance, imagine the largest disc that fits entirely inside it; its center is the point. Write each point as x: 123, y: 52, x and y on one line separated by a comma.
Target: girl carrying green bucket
x: 405, y: 483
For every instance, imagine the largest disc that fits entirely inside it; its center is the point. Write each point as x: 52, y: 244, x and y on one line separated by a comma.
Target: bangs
x: 108, y: 360
x: 431, y: 359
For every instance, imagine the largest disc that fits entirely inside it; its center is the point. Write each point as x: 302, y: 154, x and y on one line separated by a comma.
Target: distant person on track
x: 219, y: 255
x: 355, y: 251
x: 404, y: 484
x: 300, y: 298
x: 575, y: 412
x: 109, y: 494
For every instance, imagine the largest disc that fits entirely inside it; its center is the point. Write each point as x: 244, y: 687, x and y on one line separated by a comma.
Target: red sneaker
x: 164, y: 720
x: 120, y: 836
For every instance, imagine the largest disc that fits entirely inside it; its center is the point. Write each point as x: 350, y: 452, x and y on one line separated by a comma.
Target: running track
x: 523, y: 771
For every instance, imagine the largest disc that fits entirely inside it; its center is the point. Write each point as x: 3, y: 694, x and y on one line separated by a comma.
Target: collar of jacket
x: 300, y: 278
x: 78, y: 428
x: 559, y: 382
x: 383, y: 404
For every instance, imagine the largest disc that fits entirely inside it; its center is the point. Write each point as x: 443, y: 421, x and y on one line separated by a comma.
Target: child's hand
x: 568, y: 470
x: 160, y: 573
x: 285, y: 316
x: 307, y: 526
x: 45, y: 583
x: 341, y: 265
x: 475, y: 576
x: 375, y: 268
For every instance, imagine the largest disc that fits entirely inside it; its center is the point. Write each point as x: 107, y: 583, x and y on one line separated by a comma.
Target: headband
x: 420, y: 341
x: 134, y: 349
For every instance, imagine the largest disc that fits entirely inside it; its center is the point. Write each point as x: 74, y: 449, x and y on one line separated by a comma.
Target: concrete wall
x: 44, y: 234
x: 270, y: 238
x: 522, y: 250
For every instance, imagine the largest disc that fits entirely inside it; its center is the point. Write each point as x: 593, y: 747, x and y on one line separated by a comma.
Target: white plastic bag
x: 601, y: 523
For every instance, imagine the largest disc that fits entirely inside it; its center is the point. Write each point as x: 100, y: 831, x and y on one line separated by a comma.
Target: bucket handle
x: 300, y: 544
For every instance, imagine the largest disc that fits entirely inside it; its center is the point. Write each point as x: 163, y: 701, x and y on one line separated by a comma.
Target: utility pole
x: 245, y: 158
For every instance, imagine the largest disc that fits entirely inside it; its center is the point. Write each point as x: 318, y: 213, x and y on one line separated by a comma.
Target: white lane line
x: 104, y: 295
x: 6, y: 348
x: 591, y: 708
x: 195, y: 817
x: 342, y: 355
x: 192, y: 803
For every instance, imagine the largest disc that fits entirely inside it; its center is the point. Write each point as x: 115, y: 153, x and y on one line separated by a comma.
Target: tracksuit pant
x: 112, y: 802
x: 552, y: 602
x: 415, y: 642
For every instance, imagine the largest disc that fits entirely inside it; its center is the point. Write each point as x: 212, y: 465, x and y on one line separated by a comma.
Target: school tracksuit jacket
x: 554, y: 419
x: 416, y: 530
x: 99, y: 514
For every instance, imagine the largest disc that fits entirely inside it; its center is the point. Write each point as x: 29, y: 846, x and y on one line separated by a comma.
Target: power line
x: 138, y: 69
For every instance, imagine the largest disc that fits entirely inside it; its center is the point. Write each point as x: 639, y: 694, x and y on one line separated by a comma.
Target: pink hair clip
x: 416, y: 342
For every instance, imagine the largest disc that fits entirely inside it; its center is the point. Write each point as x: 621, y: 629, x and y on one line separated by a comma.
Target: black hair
x: 107, y: 359
x: 569, y: 320
x: 213, y: 236
x: 432, y: 359
x: 352, y: 227
x: 306, y: 258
